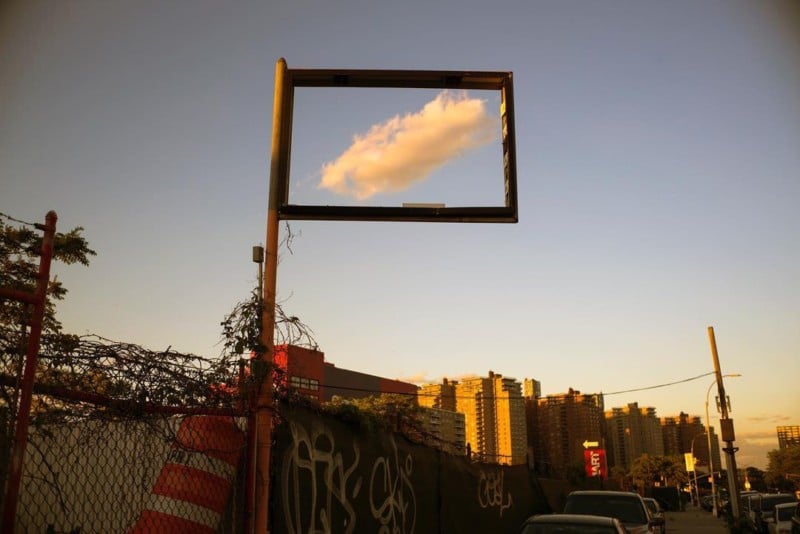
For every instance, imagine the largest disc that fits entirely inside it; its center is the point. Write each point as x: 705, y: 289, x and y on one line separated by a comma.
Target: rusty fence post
x: 38, y: 300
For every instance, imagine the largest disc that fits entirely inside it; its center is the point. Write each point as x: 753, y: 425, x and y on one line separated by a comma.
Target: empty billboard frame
x: 287, y: 80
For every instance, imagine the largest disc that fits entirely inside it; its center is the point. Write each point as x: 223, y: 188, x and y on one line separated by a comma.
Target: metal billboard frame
x: 410, y: 79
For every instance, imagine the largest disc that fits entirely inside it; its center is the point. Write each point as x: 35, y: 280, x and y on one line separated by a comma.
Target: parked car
x: 568, y: 523
x: 744, y: 497
x: 761, y: 511
x: 796, y: 520
x: 747, y: 507
x: 656, y: 513
x: 783, y: 518
x: 627, y: 507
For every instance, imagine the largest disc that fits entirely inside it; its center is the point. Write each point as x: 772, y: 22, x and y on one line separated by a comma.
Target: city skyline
x: 450, y: 395
x: 658, y: 181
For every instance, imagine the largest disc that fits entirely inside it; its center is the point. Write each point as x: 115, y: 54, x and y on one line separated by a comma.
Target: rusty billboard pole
x: 281, y: 209
x: 37, y: 300
x: 264, y: 404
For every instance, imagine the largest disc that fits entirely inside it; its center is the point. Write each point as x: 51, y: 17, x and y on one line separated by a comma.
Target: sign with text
x: 595, y: 463
x: 689, y: 459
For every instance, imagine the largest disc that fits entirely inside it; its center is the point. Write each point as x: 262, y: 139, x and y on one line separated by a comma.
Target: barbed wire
x: 14, y: 219
x: 125, y: 374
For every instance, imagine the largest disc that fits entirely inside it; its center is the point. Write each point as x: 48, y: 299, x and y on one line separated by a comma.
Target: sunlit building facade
x: 788, y: 436
x: 494, y: 415
x: 441, y: 396
x: 509, y: 406
x: 444, y: 429
x: 446, y: 426
x: 632, y: 431
x: 475, y: 400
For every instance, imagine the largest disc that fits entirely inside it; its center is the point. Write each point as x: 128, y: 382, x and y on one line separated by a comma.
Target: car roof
x: 606, y: 492
x: 572, y: 518
x: 787, y: 504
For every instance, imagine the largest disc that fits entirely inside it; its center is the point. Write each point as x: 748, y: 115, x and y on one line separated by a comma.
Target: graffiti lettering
x: 490, y: 491
x: 397, y: 512
x: 313, y: 463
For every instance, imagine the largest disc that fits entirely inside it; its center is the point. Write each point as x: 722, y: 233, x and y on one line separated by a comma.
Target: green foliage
x: 399, y: 413
x: 241, y: 337
x: 647, y: 470
x: 20, y: 247
x: 126, y: 375
x: 621, y: 477
x: 783, y: 470
x: 241, y: 328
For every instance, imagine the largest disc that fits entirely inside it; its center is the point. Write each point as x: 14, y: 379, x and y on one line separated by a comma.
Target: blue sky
x: 659, y: 178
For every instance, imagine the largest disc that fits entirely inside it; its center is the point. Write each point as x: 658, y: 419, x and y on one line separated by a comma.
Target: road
x: 694, y: 521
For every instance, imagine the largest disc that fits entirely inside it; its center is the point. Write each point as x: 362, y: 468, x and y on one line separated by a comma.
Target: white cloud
x: 402, y: 151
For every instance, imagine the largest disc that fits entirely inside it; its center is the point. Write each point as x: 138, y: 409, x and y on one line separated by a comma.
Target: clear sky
x: 659, y: 183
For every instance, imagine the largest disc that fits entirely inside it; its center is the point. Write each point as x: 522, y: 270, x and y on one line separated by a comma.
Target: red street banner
x: 595, y: 462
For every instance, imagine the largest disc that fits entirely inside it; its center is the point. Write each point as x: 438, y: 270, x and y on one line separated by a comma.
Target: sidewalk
x: 694, y: 520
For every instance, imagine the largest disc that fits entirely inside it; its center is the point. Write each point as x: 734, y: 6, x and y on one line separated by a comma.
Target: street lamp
x: 694, y: 468
x: 708, y: 435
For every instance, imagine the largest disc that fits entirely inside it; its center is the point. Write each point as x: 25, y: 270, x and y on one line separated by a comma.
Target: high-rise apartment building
x: 562, y: 423
x: 440, y: 418
x: 441, y: 396
x: 493, y: 411
x: 445, y: 429
x: 683, y: 431
x: 788, y: 436
x: 531, y: 391
x: 475, y: 399
x: 632, y: 431
x: 511, y: 430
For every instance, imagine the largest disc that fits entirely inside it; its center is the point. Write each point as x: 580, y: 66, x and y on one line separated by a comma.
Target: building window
x: 304, y: 383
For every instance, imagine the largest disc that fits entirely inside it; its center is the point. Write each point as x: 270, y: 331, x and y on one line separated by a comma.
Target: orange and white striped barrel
x: 193, y: 487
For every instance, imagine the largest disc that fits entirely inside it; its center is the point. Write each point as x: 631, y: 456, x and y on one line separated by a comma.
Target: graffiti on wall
x: 490, y: 491
x: 335, y: 476
x: 320, y: 480
x: 391, y: 495
x: 313, y: 461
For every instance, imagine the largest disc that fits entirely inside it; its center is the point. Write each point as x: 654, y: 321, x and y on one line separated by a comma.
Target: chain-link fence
x: 126, y: 440
x: 137, y: 475
x: 140, y: 474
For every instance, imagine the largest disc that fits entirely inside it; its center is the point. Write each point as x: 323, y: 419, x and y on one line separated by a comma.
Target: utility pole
x: 264, y: 407
x: 726, y: 430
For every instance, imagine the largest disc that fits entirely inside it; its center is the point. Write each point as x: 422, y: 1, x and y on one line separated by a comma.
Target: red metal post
x: 29, y: 376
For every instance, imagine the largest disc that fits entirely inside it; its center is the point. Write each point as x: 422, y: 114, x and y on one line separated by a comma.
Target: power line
x: 487, y: 397
x: 659, y: 385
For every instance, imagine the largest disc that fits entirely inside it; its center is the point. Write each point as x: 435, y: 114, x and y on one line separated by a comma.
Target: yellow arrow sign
x: 588, y: 444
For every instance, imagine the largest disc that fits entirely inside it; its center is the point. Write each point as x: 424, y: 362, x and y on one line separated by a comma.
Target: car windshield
x: 785, y: 513
x: 626, y: 509
x: 544, y: 528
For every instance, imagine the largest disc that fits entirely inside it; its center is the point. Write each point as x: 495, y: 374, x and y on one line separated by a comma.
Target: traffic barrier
x: 193, y: 487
